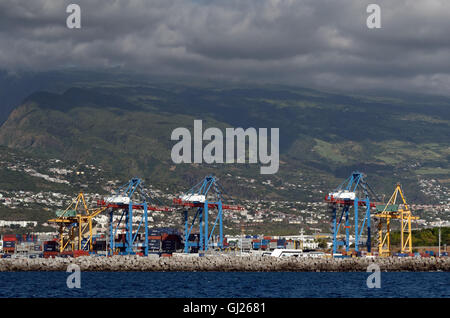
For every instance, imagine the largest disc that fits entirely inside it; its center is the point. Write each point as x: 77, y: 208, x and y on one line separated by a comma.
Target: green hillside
x: 126, y: 128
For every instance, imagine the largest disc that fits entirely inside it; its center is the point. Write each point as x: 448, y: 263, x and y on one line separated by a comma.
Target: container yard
x: 131, y: 234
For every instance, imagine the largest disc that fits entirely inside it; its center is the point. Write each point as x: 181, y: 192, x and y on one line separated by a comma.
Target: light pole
x: 439, y: 248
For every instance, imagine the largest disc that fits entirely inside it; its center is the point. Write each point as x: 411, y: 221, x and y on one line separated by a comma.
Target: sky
x: 312, y: 43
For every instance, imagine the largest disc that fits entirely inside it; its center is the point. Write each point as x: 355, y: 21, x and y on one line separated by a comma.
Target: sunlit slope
x: 126, y: 129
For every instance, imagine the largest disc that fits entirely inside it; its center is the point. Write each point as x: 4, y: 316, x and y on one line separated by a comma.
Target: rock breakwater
x: 224, y: 264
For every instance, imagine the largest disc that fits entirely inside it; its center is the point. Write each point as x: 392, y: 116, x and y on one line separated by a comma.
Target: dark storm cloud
x: 320, y: 43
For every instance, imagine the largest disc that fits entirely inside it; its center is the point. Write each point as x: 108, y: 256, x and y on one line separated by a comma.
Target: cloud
x: 317, y: 43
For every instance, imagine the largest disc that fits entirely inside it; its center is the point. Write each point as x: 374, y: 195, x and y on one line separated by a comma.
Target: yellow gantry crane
x: 394, y: 210
x: 75, y: 224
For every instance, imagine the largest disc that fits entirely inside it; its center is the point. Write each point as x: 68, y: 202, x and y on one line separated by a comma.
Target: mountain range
x: 123, y: 123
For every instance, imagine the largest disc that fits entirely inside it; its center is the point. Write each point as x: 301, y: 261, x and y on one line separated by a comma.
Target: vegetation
x: 425, y: 237
x: 124, y: 126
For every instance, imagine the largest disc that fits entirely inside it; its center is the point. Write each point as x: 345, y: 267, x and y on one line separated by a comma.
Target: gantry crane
x: 75, y: 223
x: 356, y: 192
x: 394, y: 210
x: 129, y: 199
x: 203, y: 197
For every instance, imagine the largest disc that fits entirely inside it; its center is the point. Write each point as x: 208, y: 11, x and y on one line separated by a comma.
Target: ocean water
x: 220, y: 284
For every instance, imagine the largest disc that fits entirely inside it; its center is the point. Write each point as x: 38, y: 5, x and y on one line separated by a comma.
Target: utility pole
x: 439, y: 250
x: 302, y: 238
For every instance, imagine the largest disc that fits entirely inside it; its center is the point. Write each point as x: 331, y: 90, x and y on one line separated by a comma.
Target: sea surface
x: 220, y: 284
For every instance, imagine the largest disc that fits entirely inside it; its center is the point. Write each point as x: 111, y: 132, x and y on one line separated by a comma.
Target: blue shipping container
x: 49, y: 248
x: 9, y: 243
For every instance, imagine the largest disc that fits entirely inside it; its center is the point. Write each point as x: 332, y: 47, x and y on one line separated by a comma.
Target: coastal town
x: 29, y: 209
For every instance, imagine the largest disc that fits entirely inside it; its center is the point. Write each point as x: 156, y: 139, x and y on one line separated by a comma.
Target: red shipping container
x: 267, y: 237
x: 79, y: 253
x: 166, y: 255
x: 9, y: 237
x: 154, y: 237
x: 170, y: 237
x: 50, y: 254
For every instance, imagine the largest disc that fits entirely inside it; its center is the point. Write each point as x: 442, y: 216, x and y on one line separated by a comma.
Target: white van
x: 281, y: 252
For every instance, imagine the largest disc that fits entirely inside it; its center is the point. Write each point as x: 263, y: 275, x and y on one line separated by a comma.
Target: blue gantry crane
x: 353, y: 192
x: 128, y: 200
x: 206, y: 195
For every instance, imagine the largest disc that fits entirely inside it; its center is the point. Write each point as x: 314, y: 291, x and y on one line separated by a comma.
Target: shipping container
x: 66, y: 254
x: 9, y: 237
x: 9, y: 243
x: 162, y: 230
x: 50, y: 248
x: 50, y: 254
x: 79, y: 253
x: 99, y: 246
x: 9, y: 249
